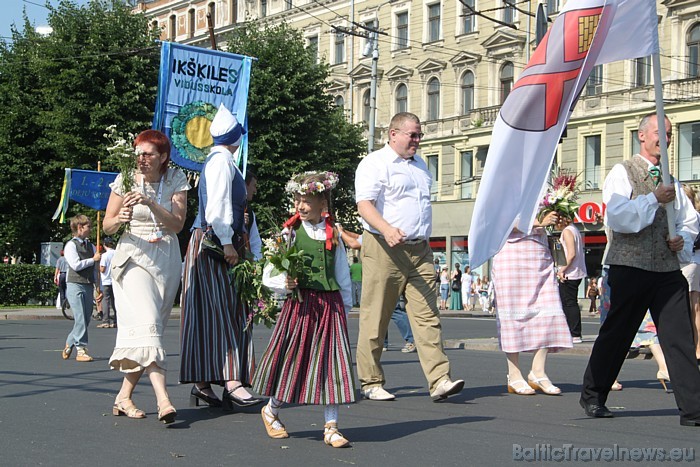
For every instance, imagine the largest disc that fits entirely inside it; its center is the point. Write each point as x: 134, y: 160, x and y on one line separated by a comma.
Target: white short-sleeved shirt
x: 400, y: 190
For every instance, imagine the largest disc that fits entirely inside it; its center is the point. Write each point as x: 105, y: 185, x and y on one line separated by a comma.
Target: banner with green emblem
x: 192, y: 82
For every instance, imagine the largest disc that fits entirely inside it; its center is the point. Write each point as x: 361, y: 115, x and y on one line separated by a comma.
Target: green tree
x: 58, y: 93
x: 294, y: 126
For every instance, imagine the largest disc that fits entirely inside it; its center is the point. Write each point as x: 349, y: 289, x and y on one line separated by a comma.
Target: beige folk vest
x: 646, y: 249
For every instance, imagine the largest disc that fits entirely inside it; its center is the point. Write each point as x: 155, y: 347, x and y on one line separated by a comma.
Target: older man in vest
x: 645, y: 274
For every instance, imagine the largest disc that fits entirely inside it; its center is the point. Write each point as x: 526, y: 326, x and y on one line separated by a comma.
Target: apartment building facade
x: 454, y: 68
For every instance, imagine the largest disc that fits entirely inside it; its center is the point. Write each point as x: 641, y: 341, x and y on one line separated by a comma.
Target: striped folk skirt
x: 528, y: 306
x: 308, y: 359
x: 215, y: 345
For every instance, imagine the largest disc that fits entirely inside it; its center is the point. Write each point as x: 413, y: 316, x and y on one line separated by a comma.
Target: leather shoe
x: 377, y: 393
x: 690, y: 421
x: 229, y: 399
x: 596, y: 411
x: 446, y: 388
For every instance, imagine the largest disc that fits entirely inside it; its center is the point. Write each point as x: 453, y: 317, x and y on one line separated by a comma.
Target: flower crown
x: 295, y: 185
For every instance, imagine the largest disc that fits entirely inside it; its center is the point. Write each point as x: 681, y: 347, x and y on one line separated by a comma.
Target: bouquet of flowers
x: 285, y: 257
x: 122, y: 155
x: 262, y: 306
x: 561, y: 196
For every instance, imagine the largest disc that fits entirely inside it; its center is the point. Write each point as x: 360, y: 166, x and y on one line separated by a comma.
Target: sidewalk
x: 486, y: 344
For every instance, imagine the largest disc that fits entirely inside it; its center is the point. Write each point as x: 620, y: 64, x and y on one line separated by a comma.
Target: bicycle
x: 68, y: 314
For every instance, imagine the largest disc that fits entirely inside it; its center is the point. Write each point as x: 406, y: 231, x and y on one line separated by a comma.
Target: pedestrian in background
x: 81, y: 280
x: 108, y: 320
x: 467, y: 294
x: 145, y: 269
x: 456, y: 289
x: 592, y: 292
x: 444, y: 288
x: 571, y: 274
x: 59, y: 278
x: 356, y: 278
x: 691, y: 271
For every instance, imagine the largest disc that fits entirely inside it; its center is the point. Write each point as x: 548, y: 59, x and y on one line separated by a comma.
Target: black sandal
x: 197, y: 394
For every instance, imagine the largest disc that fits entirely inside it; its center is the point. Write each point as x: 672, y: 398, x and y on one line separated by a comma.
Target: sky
x: 36, y: 11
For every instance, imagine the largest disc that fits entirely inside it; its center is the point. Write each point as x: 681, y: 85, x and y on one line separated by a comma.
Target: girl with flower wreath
x: 308, y: 359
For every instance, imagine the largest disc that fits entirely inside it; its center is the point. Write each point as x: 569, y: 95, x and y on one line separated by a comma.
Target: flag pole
x: 661, y: 120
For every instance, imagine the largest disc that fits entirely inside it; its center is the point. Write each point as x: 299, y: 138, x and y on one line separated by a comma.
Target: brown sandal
x: 330, y: 431
x: 127, y: 407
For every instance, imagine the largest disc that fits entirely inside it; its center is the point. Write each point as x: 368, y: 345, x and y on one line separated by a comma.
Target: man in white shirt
x: 392, y: 187
x: 645, y: 274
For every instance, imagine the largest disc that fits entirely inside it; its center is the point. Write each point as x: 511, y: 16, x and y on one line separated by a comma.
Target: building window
x: 263, y: 8
x: 365, y: 107
x: 401, y: 98
x: 339, y: 102
x: 506, y: 79
x: 594, y: 85
x: 432, y: 162
x: 312, y: 47
x: 212, y: 12
x: 642, y: 71
x: 467, y: 17
x: 402, y: 30
x: 434, y: 22
x: 552, y: 6
x: 190, y: 15
x: 466, y: 174
x: 689, y: 151
x: 635, y: 143
x: 288, y: 4
x: 366, y: 47
x: 508, y: 11
x: 234, y: 11
x: 173, y: 27
x: 433, y: 99
x: 694, y: 52
x: 592, y: 171
x: 467, y: 92
x: 339, y: 50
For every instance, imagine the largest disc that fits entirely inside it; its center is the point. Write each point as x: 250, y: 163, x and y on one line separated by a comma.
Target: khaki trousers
x: 387, y: 272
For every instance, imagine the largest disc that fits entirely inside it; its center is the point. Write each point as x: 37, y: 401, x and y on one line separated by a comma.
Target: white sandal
x: 536, y: 383
x: 523, y: 390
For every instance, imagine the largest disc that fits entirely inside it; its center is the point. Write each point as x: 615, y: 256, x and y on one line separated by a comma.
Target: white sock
x: 272, y: 409
x: 331, y: 413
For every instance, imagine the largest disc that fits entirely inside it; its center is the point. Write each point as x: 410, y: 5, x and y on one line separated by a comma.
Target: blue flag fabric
x: 192, y: 82
x: 87, y: 187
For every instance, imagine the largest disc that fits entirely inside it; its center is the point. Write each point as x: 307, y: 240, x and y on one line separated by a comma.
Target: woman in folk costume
x: 308, y: 359
x: 216, y: 345
x: 528, y: 308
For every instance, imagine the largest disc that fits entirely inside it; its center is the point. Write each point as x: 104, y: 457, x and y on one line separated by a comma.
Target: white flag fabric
x: 530, y: 123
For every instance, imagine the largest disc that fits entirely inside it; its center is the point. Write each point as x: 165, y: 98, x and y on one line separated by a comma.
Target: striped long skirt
x: 215, y: 345
x: 308, y: 359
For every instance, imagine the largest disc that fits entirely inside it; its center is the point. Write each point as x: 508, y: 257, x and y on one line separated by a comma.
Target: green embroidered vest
x: 319, y: 261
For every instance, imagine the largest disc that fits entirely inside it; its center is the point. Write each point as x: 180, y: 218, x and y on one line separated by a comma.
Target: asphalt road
x: 55, y: 412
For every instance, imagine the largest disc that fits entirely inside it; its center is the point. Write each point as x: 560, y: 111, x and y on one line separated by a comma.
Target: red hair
x: 159, y: 140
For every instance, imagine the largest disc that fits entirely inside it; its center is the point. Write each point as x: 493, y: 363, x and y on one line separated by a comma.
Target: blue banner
x: 87, y: 187
x: 91, y: 188
x: 192, y: 82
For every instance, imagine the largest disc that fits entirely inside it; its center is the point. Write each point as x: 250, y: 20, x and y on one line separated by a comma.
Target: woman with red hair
x: 146, y: 268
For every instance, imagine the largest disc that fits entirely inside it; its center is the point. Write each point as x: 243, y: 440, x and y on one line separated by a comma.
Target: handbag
x: 557, y: 250
x: 455, y: 285
x: 211, y: 246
